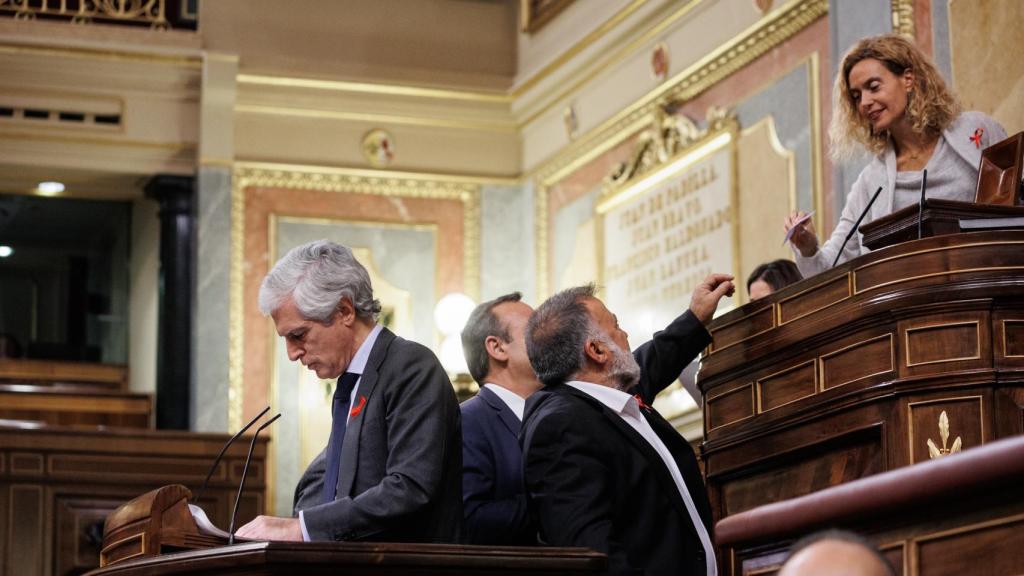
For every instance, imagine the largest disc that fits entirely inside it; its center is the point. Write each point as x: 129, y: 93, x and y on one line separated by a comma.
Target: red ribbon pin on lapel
x: 640, y: 401
x: 978, y: 133
x: 358, y: 408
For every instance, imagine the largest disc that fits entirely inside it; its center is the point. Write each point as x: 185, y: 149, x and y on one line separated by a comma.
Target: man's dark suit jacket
x: 401, y: 462
x: 593, y: 481
x: 492, y: 473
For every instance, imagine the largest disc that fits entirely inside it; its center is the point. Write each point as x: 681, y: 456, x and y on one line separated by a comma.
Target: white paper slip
x: 204, y: 524
x: 796, y: 225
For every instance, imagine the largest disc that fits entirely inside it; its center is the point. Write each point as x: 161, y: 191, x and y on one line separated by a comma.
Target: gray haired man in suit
x: 392, y: 468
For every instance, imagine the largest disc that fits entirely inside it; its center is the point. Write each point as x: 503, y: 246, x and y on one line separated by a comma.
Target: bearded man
x: 603, y: 469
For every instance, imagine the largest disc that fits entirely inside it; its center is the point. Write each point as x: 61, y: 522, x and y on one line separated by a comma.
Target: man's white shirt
x: 627, y: 407
x: 356, y: 366
x: 515, y: 402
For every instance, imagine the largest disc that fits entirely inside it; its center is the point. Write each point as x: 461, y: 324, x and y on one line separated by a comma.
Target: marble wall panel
x: 144, y: 297
x: 210, y: 325
x: 986, y: 46
x: 507, y: 242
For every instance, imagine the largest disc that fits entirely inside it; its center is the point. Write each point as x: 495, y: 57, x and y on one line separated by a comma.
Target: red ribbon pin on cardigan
x: 977, y: 137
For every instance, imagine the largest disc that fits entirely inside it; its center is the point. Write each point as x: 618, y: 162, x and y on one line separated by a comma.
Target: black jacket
x: 593, y: 481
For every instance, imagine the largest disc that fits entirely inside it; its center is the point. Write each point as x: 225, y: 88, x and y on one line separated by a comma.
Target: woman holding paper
x: 890, y: 99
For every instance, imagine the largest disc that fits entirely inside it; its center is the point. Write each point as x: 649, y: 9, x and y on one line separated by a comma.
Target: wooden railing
x: 54, y: 372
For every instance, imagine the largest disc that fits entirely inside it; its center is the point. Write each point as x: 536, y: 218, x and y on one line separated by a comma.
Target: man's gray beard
x: 624, y: 370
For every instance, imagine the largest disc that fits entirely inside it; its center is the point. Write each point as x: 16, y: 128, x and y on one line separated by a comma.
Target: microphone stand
x: 230, y: 441
x: 245, y: 471
x: 856, y: 225
x: 920, y: 209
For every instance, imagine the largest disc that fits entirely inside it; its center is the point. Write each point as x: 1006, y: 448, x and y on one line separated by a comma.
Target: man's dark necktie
x: 339, y: 409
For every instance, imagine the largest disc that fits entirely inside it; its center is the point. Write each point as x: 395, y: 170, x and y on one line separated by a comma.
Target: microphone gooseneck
x: 856, y: 225
x: 920, y: 205
x: 245, y: 471
x: 195, y: 498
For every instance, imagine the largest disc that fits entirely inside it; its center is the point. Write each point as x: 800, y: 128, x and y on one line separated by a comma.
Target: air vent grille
x: 42, y: 116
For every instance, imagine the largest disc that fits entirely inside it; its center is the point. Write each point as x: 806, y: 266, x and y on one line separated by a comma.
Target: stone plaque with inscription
x: 662, y: 234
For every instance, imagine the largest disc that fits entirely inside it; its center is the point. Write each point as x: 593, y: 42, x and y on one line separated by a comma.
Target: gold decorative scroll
x: 656, y: 146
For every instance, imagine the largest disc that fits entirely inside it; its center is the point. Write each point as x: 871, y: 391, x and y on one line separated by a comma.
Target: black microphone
x: 241, y: 486
x: 920, y: 205
x: 225, y: 449
x: 856, y: 225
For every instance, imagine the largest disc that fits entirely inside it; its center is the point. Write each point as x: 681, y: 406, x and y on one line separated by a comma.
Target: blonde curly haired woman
x: 890, y: 99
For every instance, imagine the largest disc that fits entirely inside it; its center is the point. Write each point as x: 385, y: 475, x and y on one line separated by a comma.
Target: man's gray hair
x: 556, y: 335
x: 317, y: 276
x: 483, y: 322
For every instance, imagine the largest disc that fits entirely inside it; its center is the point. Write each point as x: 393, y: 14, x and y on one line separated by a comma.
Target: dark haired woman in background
x: 771, y: 277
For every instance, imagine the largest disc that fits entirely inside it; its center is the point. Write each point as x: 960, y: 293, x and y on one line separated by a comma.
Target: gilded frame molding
x: 482, y: 96
x: 736, y: 390
x: 759, y: 385
x: 912, y: 560
x: 903, y: 18
x: 853, y: 273
x: 754, y: 42
x: 828, y: 355
x: 531, y: 20
x: 467, y: 190
x: 1002, y: 324
x: 185, y: 59
x: 977, y: 346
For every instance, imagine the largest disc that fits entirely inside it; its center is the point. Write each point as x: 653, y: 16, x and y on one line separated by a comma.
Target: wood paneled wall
x: 57, y: 486
x: 960, y: 514
x: 877, y: 364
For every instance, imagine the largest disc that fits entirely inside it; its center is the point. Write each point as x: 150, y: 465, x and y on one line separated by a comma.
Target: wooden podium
x: 59, y: 484
x: 157, y: 522
x: 904, y: 355
x: 156, y: 534
x: 363, y: 559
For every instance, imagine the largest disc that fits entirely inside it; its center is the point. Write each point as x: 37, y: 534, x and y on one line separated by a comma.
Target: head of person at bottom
x: 835, y: 553
x: 771, y: 277
x: 322, y: 304
x: 494, y: 344
x: 573, y: 336
x: 888, y: 89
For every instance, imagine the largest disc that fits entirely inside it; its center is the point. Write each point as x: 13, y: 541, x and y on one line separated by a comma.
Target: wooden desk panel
x: 960, y: 514
x: 860, y: 367
x: 364, y: 559
x: 58, y: 484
